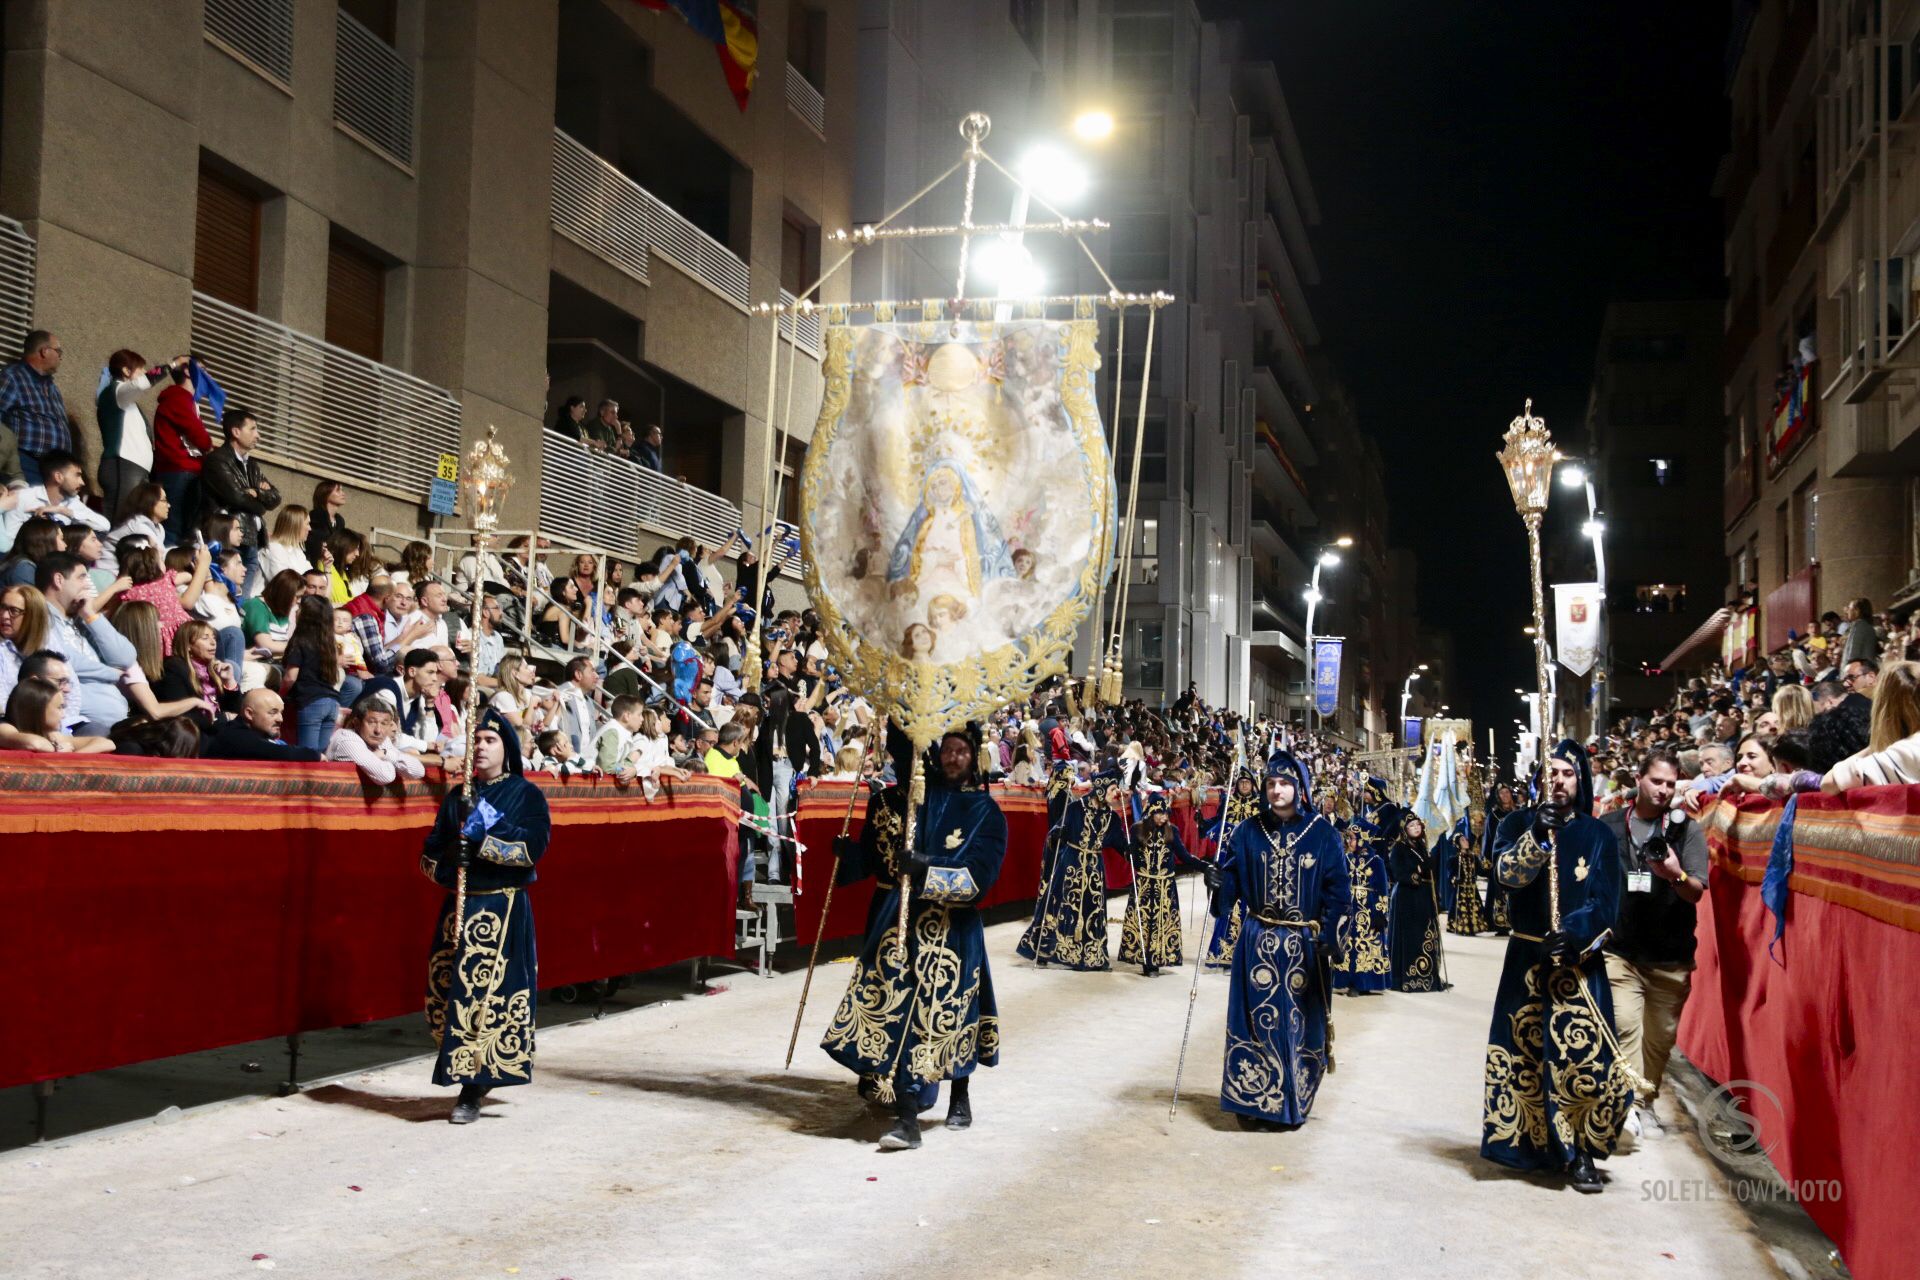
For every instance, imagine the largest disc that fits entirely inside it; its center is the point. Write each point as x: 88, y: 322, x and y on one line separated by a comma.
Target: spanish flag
x: 730, y: 25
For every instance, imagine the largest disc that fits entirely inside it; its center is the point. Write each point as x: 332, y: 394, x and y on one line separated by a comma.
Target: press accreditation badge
x: 1639, y: 882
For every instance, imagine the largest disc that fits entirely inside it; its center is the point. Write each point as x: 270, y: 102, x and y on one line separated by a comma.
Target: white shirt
x: 380, y: 765
x: 276, y: 556
x: 68, y: 511
x: 440, y: 634
x: 142, y: 526
x: 136, y: 437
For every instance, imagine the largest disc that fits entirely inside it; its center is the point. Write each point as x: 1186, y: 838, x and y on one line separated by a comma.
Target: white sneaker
x: 1646, y: 1124
x: 1633, y: 1122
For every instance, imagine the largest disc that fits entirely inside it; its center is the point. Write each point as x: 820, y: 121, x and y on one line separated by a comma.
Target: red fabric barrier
x: 1828, y: 1024
x: 156, y: 908
x: 822, y: 808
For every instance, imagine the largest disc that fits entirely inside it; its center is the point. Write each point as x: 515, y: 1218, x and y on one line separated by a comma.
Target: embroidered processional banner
x: 956, y: 511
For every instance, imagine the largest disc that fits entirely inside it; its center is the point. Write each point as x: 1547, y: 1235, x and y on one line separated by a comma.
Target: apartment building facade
x: 391, y: 224
x: 1823, y: 223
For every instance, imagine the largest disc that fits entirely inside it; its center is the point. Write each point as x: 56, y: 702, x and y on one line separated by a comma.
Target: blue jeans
x: 183, y: 504
x: 250, y: 557
x: 230, y: 646
x: 30, y: 468
x: 351, y: 687
x: 317, y: 720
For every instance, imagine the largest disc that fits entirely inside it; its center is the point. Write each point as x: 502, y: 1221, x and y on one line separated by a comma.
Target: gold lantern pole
x: 485, y: 481
x: 1528, y: 459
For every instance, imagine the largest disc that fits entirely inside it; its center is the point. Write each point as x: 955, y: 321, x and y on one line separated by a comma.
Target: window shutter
x: 226, y: 242
x: 356, y: 301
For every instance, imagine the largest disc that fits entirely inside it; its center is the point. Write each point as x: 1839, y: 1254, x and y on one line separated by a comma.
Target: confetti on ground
x: 1153, y: 1222
x: 870, y: 1178
x: 351, y: 1187
x: 258, y: 1257
x: 1276, y: 1168
x: 1665, y: 1254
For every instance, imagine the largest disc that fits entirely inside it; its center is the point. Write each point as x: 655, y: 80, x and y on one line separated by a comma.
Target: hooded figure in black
x: 481, y: 982
x: 1413, y: 934
x: 1554, y: 1099
x: 906, y: 1025
x: 1069, y: 926
x: 1150, y: 934
x: 1241, y: 801
x: 1502, y: 802
x: 1286, y: 868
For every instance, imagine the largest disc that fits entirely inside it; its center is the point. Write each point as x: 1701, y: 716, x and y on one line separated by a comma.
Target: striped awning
x: 1705, y: 635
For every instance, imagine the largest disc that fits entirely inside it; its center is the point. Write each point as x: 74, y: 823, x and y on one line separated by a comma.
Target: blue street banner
x: 1326, y: 675
x: 1410, y: 731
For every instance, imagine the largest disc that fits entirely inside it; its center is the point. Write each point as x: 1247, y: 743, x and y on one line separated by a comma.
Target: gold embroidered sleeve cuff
x: 950, y: 884
x: 1517, y: 867
x: 506, y: 854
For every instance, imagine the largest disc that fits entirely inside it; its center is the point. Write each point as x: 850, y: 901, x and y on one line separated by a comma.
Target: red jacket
x: 177, y: 425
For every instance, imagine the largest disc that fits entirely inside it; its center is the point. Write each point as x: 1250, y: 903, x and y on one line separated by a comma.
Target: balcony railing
x: 806, y: 101
x: 805, y: 329
x: 602, y: 209
x: 258, y: 32
x: 324, y: 409
x: 622, y: 506
x: 598, y: 208
x: 18, y: 258
x: 372, y: 91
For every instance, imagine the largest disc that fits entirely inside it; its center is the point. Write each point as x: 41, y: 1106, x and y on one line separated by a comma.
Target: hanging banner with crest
x: 956, y: 510
x: 1576, y: 624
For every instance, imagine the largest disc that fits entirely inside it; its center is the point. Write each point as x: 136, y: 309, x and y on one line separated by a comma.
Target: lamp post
x: 1406, y: 695
x: 1527, y: 458
x: 1327, y: 558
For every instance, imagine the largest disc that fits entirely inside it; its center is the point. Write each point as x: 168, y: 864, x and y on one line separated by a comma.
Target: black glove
x: 1210, y: 873
x: 846, y: 849
x: 1336, y: 954
x: 466, y: 853
x: 1221, y: 906
x: 1559, y: 947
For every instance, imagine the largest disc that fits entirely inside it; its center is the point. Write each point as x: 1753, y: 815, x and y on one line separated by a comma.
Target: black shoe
x: 904, y: 1136
x: 959, y: 1108
x: 1585, y: 1178
x: 467, y: 1109
x: 1254, y: 1124
x: 1149, y: 971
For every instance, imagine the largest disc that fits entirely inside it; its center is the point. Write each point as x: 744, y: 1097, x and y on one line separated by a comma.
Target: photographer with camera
x: 1663, y: 855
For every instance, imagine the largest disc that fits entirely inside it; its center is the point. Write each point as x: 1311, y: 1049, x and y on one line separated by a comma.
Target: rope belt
x: 1526, y: 937
x: 1275, y: 921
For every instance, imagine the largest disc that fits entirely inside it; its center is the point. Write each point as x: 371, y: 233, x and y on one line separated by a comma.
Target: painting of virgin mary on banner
x: 957, y: 510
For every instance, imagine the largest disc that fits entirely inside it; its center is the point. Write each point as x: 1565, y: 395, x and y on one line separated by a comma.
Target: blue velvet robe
x: 1465, y: 914
x: 1413, y: 935
x: 1234, y: 810
x: 1366, y: 967
x: 1498, y: 918
x: 481, y: 990
x: 1277, y: 1017
x: 1069, y: 926
x: 1153, y: 900
x: 1551, y: 1088
x: 933, y: 1018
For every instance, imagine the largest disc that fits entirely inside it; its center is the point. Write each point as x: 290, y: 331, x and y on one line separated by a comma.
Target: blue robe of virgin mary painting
x: 952, y: 544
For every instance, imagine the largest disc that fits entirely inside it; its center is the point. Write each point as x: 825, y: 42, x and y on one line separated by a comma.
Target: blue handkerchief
x: 480, y: 821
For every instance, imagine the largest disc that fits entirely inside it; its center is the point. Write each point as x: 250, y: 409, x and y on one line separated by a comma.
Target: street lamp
x: 1406, y: 694
x: 1327, y: 558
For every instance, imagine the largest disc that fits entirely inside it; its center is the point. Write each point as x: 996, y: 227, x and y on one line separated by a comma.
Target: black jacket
x: 226, y: 479
x: 1656, y: 928
x: 238, y: 740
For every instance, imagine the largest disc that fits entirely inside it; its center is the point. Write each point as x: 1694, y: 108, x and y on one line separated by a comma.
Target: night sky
x: 1491, y: 173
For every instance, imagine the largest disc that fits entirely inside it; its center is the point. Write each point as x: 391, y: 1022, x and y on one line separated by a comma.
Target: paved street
x: 667, y: 1141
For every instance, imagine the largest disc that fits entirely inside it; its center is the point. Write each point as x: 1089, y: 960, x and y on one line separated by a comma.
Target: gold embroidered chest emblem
x: 953, y: 841
x: 1306, y: 860
x: 1580, y: 868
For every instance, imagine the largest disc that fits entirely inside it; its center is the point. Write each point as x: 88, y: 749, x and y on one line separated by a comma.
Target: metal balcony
x: 806, y: 329
x: 373, y: 92
x: 259, y: 33
x: 609, y: 214
x: 18, y: 259
x: 806, y: 101
x: 327, y: 410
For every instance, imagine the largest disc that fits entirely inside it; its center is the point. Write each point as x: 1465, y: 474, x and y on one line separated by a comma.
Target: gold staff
x: 485, y: 479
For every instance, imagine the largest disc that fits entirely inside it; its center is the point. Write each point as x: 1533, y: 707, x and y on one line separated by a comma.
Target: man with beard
x: 1554, y: 1100
x: 912, y: 1019
x: 1286, y: 868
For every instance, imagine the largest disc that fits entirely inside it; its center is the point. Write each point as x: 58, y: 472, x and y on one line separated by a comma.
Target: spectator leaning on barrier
x: 32, y: 408
x: 234, y: 482
x: 1892, y: 754
x: 1649, y: 959
x: 647, y: 451
x: 255, y: 733
x: 367, y: 740
x: 579, y: 718
x: 35, y: 710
